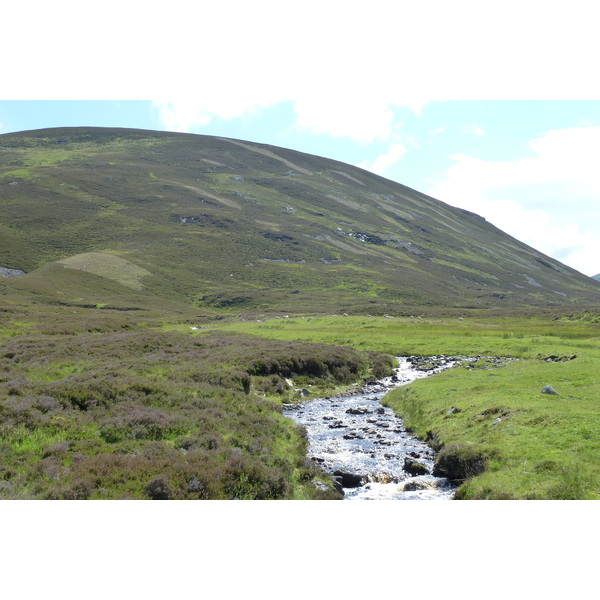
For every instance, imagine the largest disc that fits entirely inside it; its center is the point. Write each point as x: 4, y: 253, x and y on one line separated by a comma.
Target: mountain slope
x: 91, y: 213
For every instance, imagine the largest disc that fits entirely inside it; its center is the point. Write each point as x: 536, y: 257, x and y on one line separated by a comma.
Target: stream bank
x: 365, y: 446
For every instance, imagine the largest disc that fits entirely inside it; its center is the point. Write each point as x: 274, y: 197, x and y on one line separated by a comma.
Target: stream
x: 365, y: 446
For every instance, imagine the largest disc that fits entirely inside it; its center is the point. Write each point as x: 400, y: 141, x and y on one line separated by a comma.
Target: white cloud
x: 437, y: 131
x: 341, y: 115
x: 384, y: 161
x: 474, y: 129
x: 186, y: 115
x: 351, y: 117
x: 549, y: 200
x: 348, y: 115
x: 586, y: 257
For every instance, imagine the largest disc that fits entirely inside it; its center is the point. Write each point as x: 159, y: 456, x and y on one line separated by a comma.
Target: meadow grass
x: 535, y: 445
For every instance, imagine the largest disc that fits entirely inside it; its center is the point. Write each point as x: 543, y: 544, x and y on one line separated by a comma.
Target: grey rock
x: 353, y: 436
x: 548, y: 389
x: 414, y: 467
x: 6, y: 272
x: 194, y: 485
x: 413, y: 486
x: 323, y: 487
x: 348, y: 480
x: 337, y: 483
x: 358, y: 410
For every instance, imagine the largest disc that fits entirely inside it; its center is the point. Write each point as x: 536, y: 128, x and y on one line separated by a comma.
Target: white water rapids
x: 368, y: 443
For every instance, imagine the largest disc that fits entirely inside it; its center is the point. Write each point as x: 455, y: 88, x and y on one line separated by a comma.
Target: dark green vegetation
x: 114, y: 243
x: 118, y: 215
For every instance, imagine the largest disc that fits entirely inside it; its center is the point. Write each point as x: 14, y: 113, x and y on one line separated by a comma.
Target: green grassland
x: 169, y: 401
x: 544, y: 446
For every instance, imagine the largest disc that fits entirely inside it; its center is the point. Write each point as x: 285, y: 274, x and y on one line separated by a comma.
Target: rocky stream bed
x: 366, y: 447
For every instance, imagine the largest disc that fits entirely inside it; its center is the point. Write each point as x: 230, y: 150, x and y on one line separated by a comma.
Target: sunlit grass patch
x: 516, y: 426
x: 110, y: 266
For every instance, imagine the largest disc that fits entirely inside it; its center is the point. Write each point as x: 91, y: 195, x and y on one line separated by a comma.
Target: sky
x: 491, y: 107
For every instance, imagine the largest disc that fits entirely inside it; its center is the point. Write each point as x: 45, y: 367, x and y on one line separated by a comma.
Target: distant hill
x: 98, y: 214
x: 596, y: 277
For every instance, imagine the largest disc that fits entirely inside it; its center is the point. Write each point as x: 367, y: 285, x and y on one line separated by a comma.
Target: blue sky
x: 493, y: 107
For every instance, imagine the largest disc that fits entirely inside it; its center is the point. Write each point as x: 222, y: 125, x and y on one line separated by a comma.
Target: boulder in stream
x: 415, y: 485
x: 414, y: 467
x: 348, y: 480
x: 358, y: 410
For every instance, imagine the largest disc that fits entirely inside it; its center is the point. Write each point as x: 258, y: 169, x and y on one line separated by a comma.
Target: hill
x: 129, y: 261
x: 127, y: 217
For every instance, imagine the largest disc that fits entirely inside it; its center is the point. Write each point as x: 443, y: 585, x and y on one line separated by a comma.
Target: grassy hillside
x: 219, y: 223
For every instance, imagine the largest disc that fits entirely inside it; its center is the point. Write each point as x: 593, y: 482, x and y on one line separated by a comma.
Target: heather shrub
x: 17, y: 408
x: 139, y: 423
x: 78, y: 490
x: 144, y: 414
x: 47, y: 404
x: 59, y: 449
x: 271, y: 385
x: 160, y: 489
x: 243, y: 379
x: 383, y: 366
x: 245, y: 479
x: 206, y: 441
x: 310, y: 360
